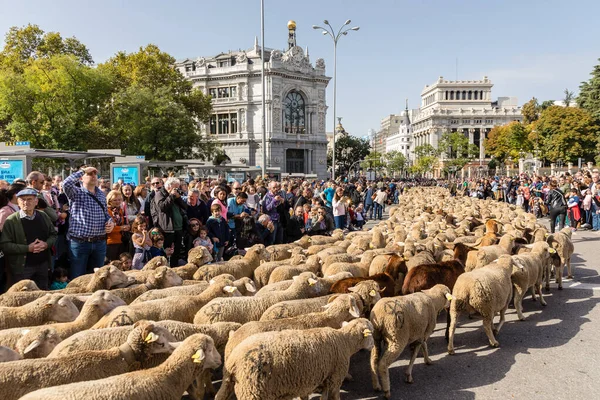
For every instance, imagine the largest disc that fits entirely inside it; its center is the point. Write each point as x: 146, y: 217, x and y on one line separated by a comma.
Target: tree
x: 530, y: 111
x: 589, y: 93
x: 426, y: 156
x: 568, y: 97
x: 395, y: 161
x: 457, y: 149
x: 30, y: 43
x: 546, y: 104
x: 54, y: 103
x: 566, y: 133
x: 508, y: 141
x: 348, y: 150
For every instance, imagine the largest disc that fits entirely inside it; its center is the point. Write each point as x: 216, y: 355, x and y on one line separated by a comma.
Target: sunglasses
x: 155, y: 183
x: 194, y: 225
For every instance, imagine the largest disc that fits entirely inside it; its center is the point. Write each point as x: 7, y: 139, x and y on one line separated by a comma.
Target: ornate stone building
x: 295, y: 105
x: 463, y: 106
x: 402, y: 139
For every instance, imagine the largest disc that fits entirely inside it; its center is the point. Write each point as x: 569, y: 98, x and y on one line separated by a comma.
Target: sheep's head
x: 156, y: 262
x: 25, y: 285
x: 199, y: 256
x: 59, y: 308
x: 200, y: 350
x: 369, y: 292
x: 307, y: 284
x: 7, y: 354
x: 37, y: 343
x: 103, y: 302
x: 146, y: 339
x: 343, y: 304
x: 112, y: 277
x: 164, y: 277
x: 362, y: 328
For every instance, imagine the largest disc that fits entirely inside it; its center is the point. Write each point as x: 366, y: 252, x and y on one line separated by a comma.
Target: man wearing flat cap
x: 27, y: 239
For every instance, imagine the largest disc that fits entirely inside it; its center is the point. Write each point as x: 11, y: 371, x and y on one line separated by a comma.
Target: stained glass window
x: 294, y: 113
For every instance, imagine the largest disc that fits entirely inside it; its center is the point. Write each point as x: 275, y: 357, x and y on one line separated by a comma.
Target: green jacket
x: 14, y: 243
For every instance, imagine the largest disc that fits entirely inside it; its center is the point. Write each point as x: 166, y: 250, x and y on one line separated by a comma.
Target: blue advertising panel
x: 11, y: 170
x: 128, y: 173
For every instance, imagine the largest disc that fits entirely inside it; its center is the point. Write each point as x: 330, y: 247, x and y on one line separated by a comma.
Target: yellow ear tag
x: 312, y: 282
x: 152, y: 337
x: 448, y: 296
x: 230, y: 289
x: 551, y: 250
x: 198, y: 356
x: 367, y: 333
x: 372, y: 293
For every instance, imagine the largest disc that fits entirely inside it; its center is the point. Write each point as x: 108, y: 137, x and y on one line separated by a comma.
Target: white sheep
x: 263, y: 272
x: 7, y: 354
x: 238, y: 268
x: 51, y: 307
x: 160, y: 278
x: 318, y: 357
x: 398, y: 322
x: 24, y: 285
x: 107, y: 277
x: 37, y: 343
x: 186, y: 290
x: 167, y: 381
x: 562, y: 243
x: 487, y: 290
x: 22, y: 377
x: 287, y: 272
x: 487, y: 254
x: 244, y: 309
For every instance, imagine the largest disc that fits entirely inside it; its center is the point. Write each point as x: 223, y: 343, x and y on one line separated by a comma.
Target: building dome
x: 291, y: 25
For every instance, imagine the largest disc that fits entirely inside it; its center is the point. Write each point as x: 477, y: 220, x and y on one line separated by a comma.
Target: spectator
x: 265, y: 229
x: 60, y: 279
x: 35, y: 180
x: 9, y: 204
x: 126, y: 261
x: 323, y: 223
x: 156, y: 184
x: 27, y: 239
x: 295, y: 228
x: 131, y: 203
x: 558, y: 206
x: 218, y: 230
x: 253, y: 201
x: 203, y: 240
x: 141, y: 194
x: 236, y: 211
x: 168, y: 212
x: 89, y: 222
x: 379, y: 202
x: 339, y: 204
x: 196, y: 207
x: 370, y: 201
x: 271, y: 201
x: 141, y: 243
x: 192, y: 233
x: 221, y: 201
x: 114, y: 240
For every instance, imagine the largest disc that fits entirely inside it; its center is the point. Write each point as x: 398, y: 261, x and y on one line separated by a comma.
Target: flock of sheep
x: 281, y: 322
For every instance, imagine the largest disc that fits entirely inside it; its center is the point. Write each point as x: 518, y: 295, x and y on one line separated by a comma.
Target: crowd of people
x: 53, y: 230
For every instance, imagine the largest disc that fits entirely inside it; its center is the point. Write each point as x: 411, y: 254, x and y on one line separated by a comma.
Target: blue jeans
x: 340, y: 222
x: 378, y: 210
x: 84, y: 256
x: 596, y: 221
x: 369, y: 210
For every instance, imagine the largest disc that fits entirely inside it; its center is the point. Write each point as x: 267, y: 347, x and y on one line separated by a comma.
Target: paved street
x: 553, y: 354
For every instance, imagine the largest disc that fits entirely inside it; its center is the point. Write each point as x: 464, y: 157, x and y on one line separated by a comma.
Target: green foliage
x: 373, y: 160
x: 589, y: 93
x: 569, y: 96
x: 426, y: 150
x: 566, y: 133
x: 348, y: 150
x: 530, y: 111
x: 546, y: 104
x: 457, y: 149
x: 395, y: 162
x: 426, y: 157
x: 30, y: 43
x: 508, y: 141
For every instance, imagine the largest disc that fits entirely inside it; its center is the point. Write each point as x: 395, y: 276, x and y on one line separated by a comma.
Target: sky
x: 527, y: 48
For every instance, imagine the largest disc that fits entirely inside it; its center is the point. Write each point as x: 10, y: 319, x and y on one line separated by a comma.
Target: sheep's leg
x: 227, y: 387
x: 374, y: 363
x: 331, y: 388
x: 488, y: 322
x: 519, y: 293
x: 425, y: 352
x: 453, y: 318
x: 533, y: 292
x: 447, y: 325
x: 559, y: 273
x: 538, y: 287
x: 548, y: 270
x: 569, y: 271
x: 390, y: 355
x: 415, y: 350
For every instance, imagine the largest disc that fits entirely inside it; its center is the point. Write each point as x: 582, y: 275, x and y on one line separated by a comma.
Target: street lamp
x: 331, y: 32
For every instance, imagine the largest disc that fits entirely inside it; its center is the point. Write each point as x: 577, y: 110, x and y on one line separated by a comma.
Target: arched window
x: 470, y: 95
x: 452, y: 95
x: 475, y: 93
x: 294, y: 113
x: 464, y: 95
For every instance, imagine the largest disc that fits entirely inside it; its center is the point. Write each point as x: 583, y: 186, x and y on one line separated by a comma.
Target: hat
x: 27, y: 192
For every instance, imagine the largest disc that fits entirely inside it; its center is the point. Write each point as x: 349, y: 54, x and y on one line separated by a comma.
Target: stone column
x: 552, y: 168
x: 570, y: 167
x: 471, y: 136
x: 481, y: 139
x: 521, y: 165
x: 507, y: 170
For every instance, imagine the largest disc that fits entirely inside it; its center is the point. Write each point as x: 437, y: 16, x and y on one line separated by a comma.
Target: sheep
x: 356, y: 269
x: 178, y: 308
x: 487, y: 254
x: 238, y: 268
x: 293, y: 308
x: 159, y: 278
x: 280, y: 252
x: 167, y: 381
x: 342, y: 308
x: 7, y: 354
x: 186, y: 271
x: 487, y: 290
x: 424, y: 257
x: 561, y: 242
x: 100, y: 303
x: 286, y: 272
x: 22, y: 377
x: 378, y: 239
x: 17, y: 299
x: 25, y: 285
x: 318, y: 357
x: 398, y: 322
x: 107, y: 277
x: 37, y: 343
x: 199, y: 256
x: 326, y: 284
x: 188, y: 290
x: 158, y: 261
x: 530, y: 273
x: 244, y: 309
x: 51, y: 307
x: 339, y: 257
x: 263, y: 272
x: 385, y: 280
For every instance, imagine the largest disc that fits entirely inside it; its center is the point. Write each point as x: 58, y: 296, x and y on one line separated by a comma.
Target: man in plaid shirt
x: 88, y: 222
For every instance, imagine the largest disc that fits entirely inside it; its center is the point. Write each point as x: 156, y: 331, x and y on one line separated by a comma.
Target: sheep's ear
x: 354, y: 311
x: 372, y: 293
x: 344, y: 323
x: 198, y: 356
x: 159, y: 274
x: 352, y: 289
x: 448, y: 296
x: 32, y: 346
x: 96, y: 270
x: 83, y: 298
x: 312, y: 281
x: 289, y: 250
x: 151, y: 337
x: 211, y: 282
x: 250, y: 287
x: 294, y: 278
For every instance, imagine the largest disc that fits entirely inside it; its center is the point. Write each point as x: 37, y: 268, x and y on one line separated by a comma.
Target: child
x: 141, y: 242
x: 218, y: 231
x: 203, y: 240
x: 126, y: 261
x: 360, y: 217
x: 574, y: 212
x: 59, y: 279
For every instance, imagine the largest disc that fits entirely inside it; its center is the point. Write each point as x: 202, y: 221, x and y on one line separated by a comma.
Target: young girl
x: 203, y: 240
x: 126, y: 261
x: 218, y: 231
x: 59, y: 279
x: 157, y: 249
x: 141, y: 243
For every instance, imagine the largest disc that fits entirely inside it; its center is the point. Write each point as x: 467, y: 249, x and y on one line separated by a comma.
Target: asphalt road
x: 553, y: 354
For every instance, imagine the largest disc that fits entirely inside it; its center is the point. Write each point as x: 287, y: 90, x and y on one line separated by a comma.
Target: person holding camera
x: 168, y: 212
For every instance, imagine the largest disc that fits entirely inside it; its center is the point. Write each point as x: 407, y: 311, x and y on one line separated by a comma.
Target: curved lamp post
x: 335, y: 36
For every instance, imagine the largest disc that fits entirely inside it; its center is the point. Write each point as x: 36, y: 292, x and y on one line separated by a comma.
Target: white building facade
x: 461, y: 106
x: 402, y: 140
x: 295, y: 100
